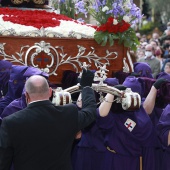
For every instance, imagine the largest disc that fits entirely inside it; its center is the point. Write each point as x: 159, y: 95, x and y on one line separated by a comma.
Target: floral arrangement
x: 36, y: 19
x: 23, y: 21
x: 115, y: 20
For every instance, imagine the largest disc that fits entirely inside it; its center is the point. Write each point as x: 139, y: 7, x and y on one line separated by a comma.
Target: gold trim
x: 140, y: 162
x: 111, y: 150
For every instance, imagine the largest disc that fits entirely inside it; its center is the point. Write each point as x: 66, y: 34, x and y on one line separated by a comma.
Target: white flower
x: 105, y: 8
x: 46, y: 70
x: 126, y: 19
x: 64, y: 29
x: 57, y: 11
x: 115, y: 22
x: 78, y: 36
x: 127, y: 5
x: 127, y: 2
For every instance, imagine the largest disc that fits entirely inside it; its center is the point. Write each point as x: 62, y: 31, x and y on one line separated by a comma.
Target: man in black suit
x: 40, y: 137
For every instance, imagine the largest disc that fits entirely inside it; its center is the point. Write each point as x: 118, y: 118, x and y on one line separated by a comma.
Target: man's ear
x: 26, y: 94
x: 27, y: 97
x: 50, y: 92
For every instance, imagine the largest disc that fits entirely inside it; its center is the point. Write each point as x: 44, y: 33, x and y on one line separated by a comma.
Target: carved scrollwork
x: 55, y: 57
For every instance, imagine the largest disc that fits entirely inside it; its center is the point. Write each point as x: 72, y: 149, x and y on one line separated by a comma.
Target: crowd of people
x: 155, y: 51
x: 37, y: 135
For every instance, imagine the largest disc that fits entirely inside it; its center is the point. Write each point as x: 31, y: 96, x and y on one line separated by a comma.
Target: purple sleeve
x: 104, y: 122
x: 163, y: 126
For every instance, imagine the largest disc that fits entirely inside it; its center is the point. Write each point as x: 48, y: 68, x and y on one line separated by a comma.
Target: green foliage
x: 149, y: 27
x: 66, y: 8
x: 127, y: 38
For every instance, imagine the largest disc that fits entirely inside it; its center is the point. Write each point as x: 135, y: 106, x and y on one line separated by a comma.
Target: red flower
x: 108, y: 26
x: 102, y: 28
x: 114, y: 29
x: 123, y: 26
x: 36, y: 19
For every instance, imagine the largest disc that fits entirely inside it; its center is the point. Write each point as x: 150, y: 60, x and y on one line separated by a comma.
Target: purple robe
x: 90, y: 150
x: 133, y: 83
x: 14, y: 106
x: 163, y: 128
x: 127, y: 145
x: 158, y: 151
x: 163, y: 97
x: 146, y: 85
x: 15, y: 86
x: 5, y: 69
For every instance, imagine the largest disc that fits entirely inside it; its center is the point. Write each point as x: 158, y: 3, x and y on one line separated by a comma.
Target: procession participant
x: 163, y: 130
x: 163, y: 98
x: 89, y: 152
x: 15, y: 86
x: 42, y: 131
x: 128, y: 134
x: 142, y: 69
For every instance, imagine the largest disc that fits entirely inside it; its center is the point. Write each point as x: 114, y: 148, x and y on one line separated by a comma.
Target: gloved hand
x: 120, y: 87
x: 159, y: 82
x: 86, y: 78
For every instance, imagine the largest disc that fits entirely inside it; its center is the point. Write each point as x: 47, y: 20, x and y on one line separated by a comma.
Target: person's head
x: 167, y: 68
x: 37, y: 88
x: 133, y: 83
x: 143, y: 45
x: 16, y: 81
x: 143, y: 69
x: 158, y: 51
x: 111, y: 81
x: 166, y: 41
x: 140, y: 53
x: 149, y: 50
x: 168, y: 26
x: 142, y: 40
x: 35, y: 71
x: 138, y: 35
x: 154, y: 43
x: 155, y: 36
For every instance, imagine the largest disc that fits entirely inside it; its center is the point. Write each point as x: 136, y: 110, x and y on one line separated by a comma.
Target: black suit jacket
x: 40, y: 136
